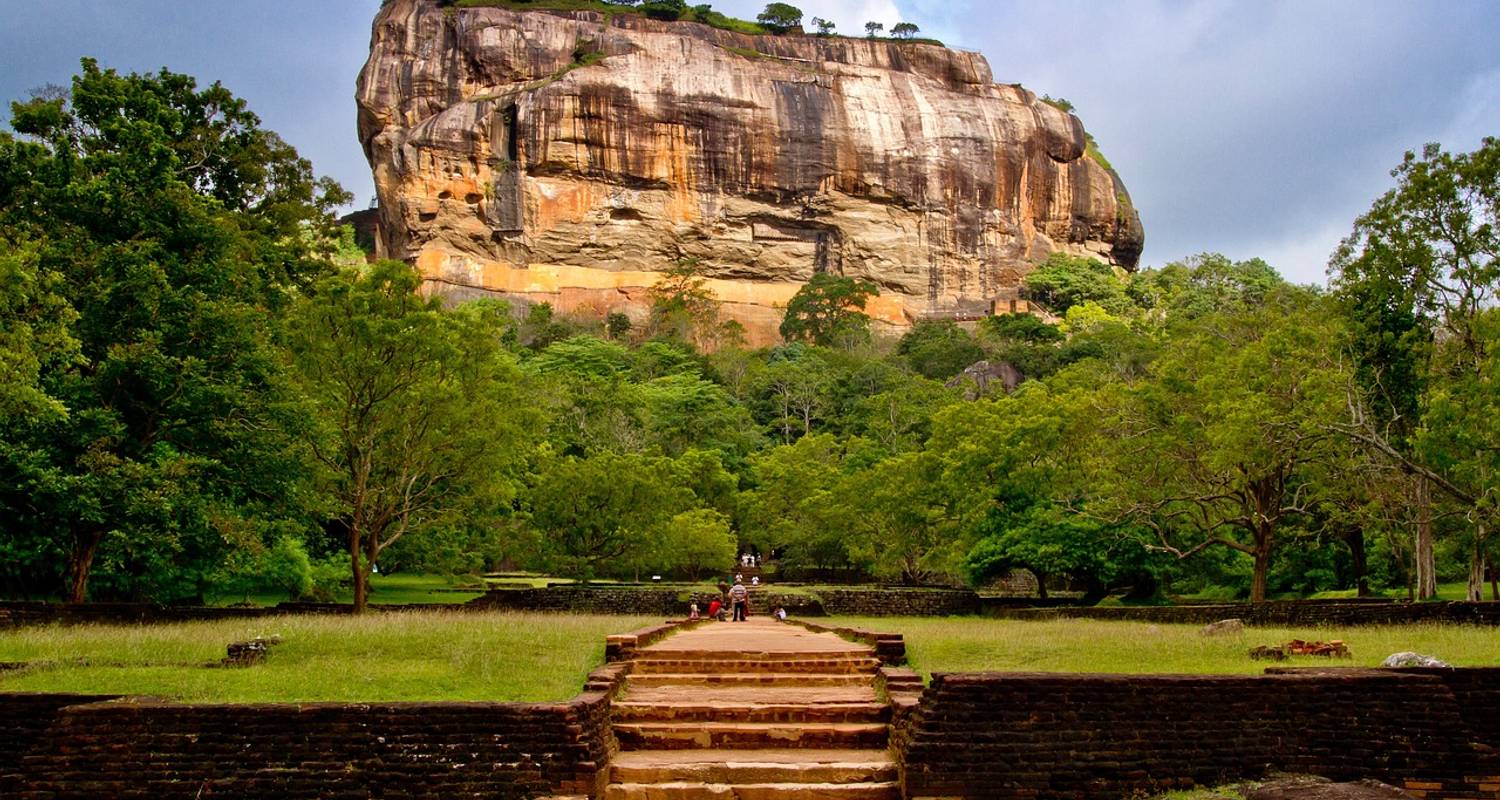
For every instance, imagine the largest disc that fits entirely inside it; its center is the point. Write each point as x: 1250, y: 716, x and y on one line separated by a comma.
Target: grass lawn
x: 396, y: 590
x: 974, y: 644
x: 417, y: 655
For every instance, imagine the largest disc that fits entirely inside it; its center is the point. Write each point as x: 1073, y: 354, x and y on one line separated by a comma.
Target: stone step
x: 692, y: 710
x: 767, y: 663
x: 885, y: 790
x: 662, y: 653
x: 750, y: 735
x: 753, y: 766
x: 763, y: 679
x: 751, y: 694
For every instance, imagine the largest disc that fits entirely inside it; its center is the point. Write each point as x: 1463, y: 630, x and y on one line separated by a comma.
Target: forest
x: 206, y: 389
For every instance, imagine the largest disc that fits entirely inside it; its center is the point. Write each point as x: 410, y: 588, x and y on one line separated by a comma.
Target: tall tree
x: 421, y: 414
x: 1416, y: 276
x: 158, y: 223
x: 1216, y: 441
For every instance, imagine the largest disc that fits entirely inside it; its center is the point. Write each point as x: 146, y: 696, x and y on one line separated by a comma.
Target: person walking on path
x: 741, y: 598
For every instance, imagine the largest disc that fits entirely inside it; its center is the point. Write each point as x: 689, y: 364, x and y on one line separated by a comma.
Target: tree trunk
x: 1426, y: 563
x: 1355, y: 539
x: 1041, y: 583
x: 1475, y: 589
x: 81, y: 562
x: 1494, y: 581
x: 1258, y: 582
x: 361, y: 577
x: 1264, y: 534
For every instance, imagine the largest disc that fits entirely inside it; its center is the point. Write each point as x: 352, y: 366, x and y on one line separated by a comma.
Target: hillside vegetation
x: 207, y: 394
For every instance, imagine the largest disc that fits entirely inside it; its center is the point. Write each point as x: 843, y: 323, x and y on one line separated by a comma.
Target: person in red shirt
x: 713, y: 608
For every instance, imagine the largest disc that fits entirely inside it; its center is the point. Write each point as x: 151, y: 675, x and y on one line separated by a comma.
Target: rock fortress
x: 570, y: 158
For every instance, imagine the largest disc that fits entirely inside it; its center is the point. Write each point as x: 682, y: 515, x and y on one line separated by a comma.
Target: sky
x: 1255, y: 128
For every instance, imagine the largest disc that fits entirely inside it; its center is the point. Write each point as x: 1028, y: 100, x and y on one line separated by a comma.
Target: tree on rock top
x: 780, y: 17
x: 904, y: 30
x: 829, y: 310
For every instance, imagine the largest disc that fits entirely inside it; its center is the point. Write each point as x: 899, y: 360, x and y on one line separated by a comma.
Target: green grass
x: 395, y: 590
x: 1445, y: 591
x: 974, y: 644
x: 418, y: 655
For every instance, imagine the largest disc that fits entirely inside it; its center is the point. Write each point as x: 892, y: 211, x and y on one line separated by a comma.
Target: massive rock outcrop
x: 566, y: 157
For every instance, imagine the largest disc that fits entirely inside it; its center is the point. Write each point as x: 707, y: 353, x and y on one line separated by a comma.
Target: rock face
x: 561, y: 156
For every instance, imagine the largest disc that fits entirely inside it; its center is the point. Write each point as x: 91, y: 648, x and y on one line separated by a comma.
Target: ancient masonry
x: 755, y: 709
x: 570, y: 157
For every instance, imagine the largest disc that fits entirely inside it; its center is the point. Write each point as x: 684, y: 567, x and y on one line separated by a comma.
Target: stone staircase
x: 758, y: 710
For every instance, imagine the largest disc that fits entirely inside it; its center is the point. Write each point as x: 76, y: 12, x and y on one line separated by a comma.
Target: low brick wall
x: 14, y: 614
x: 83, y: 747
x: 143, y: 749
x: 1080, y: 737
x: 855, y: 602
x: 1280, y: 613
x: 890, y: 648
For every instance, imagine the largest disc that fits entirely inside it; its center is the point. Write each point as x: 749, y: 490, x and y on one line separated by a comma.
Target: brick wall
x: 141, y: 749
x: 1281, y: 613
x: 1042, y: 736
x: 878, y: 601
x: 870, y: 601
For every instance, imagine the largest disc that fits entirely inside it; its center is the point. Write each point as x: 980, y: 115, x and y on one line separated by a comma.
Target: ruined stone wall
x: 1280, y: 613
x: 133, y: 748
x: 1055, y: 736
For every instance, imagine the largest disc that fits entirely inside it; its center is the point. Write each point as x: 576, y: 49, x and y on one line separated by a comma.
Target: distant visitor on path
x: 741, y: 597
x: 755, y: 580
x: 780, y: 612
x: 693, y: 611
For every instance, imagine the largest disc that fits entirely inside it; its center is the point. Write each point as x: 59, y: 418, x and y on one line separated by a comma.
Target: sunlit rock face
x: 568, y: 158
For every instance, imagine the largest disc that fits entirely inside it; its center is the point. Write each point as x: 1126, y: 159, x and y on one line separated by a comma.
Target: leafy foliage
x: 829, y: 310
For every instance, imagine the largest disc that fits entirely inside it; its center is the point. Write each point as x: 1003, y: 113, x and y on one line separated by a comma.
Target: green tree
x: 1222, y: 432
x: 873, y: 29
x: 1063, y: 281
x: 699, y: 542
x: 683, y: 307
x: 939, y: 349
x: 780, y: 17
x: 825, y: 27
x: 155, y: 225
x: 1417, y: 275
x: 829, y: 310
x: 602, y: 515
x: 664, y: 9
x: 904, y: 30
x: 784, y: 509
x: 894, y: 518
x: 422, y: 416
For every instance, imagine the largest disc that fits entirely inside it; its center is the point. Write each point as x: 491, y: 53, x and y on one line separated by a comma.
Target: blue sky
x: 1250, y: 128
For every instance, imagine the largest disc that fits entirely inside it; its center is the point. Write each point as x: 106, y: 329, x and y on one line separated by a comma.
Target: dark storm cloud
x: 1256, y: 128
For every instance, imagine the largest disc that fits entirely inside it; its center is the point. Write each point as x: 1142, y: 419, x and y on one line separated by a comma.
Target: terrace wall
x: 872, y: 601
x: 66, y: 747
x: 1080, y: 737
x: 1280, y: 613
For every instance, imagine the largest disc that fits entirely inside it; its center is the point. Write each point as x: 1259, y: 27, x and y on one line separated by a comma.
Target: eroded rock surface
x: 564, y: 157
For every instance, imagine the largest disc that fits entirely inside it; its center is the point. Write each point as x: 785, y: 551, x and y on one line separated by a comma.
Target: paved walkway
x: 755, y: 710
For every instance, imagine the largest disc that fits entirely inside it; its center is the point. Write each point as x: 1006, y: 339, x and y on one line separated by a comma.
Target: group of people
x: 733, y: 599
